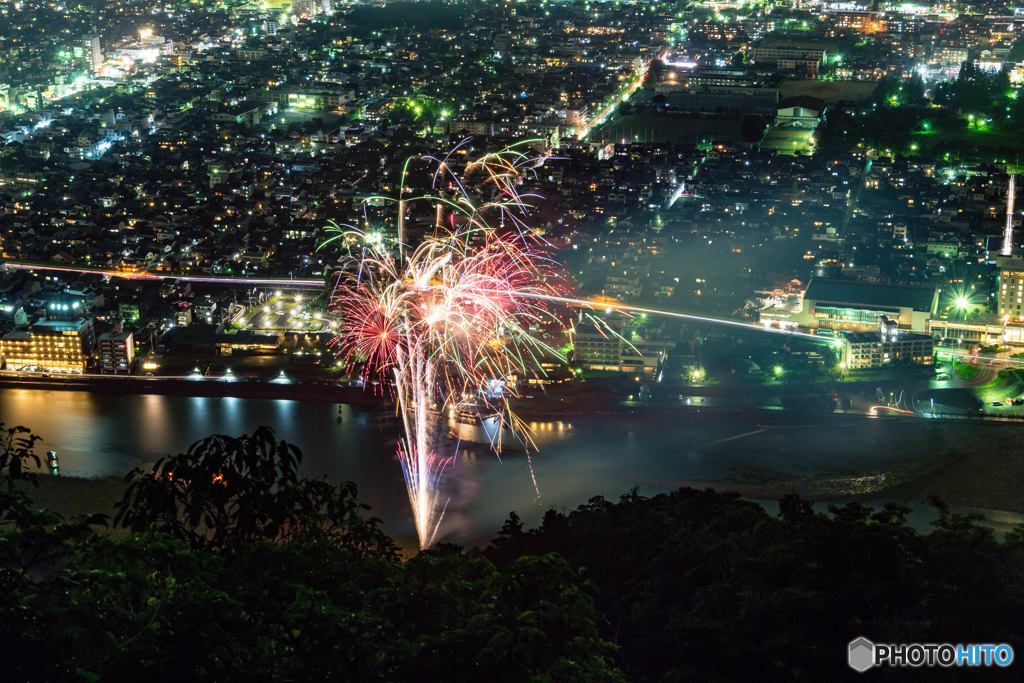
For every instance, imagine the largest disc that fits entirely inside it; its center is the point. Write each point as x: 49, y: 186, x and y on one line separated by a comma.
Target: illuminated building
x: 65, y: 308
x: 128, y: 312
x: 796, y: 120
x: 717, y: 90
x: 116, y: 352
x: 860, y: 306
x: 1010, y: 291
x: 802, y: 111
x: 950, y: 55
x: 247, y: 342
x: 244, y: 113
x: 12, y: 312
x: 183, y: 314
x: 308, y: 98
x: 617, y: 349
x: 862, y: 22
x: 304, y: 8
x: 789, y: 57
x: 147, y: 49
x: 991, y: 332
x: 58, y: 346
x: 93, y: 52
x: 267, y: 5
x: 887, y: 347
x: 1010, y: 296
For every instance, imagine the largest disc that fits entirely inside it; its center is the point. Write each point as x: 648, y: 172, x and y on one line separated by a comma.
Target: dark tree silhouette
x: 224, y: 491
x: 17, y: 453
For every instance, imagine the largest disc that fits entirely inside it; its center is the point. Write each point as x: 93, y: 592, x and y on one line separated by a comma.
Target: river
x: 760, y: 453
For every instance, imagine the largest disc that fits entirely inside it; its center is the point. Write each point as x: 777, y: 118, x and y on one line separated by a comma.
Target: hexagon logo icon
x: 861, y: 654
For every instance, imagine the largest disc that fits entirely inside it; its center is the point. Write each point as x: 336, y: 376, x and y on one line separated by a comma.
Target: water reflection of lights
x: 553, y: 426
x: 156, y: 416
x: 285, y: 408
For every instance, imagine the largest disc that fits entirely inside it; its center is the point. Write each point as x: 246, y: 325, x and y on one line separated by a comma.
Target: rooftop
x: 805, y: 101
x: 58, y: 325
x: 870, y: 294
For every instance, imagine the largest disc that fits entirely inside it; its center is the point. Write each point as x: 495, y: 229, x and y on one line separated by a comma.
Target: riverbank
x: 74, y: 496
x: 166, y: 386
x: 763, y: 454
x: 969, y: 484
x: 903, y: 459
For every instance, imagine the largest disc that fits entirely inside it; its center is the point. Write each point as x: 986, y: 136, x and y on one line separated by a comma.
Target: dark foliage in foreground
x: 235, y: 568
x: 17, y: 453
x: 225, y: 491
x: 698, y: 585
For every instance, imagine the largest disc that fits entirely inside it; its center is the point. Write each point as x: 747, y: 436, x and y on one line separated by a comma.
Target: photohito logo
x: 862, y: 654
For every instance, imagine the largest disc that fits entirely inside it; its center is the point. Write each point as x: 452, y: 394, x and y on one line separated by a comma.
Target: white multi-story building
x: 1010, y: 295
x: 93, y: 52
x: 613, y: 347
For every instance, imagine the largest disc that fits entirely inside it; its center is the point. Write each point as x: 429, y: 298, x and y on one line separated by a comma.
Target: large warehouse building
x: 855, y: 306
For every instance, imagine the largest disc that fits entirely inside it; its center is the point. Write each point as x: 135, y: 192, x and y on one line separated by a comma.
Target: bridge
x: 319, y: 283
x: 251, y: 281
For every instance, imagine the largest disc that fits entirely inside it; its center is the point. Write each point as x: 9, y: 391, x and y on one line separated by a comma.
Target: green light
x: 778, y: 371
x: 962, y: 302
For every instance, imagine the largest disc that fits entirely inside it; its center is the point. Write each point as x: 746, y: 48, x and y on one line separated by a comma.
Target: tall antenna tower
x: 1008, y: 230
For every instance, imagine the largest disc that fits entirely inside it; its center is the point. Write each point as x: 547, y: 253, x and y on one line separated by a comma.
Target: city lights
x: 642, y: 296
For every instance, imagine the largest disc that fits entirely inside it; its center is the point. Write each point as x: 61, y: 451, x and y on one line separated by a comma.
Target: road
x: 256, y: 281
x: 855, y: 198
x: 582, y: 131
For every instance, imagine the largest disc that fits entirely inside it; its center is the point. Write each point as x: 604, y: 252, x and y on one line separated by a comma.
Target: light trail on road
x: 310, y: 283
x: 987, y: 360
x: 288, y: 283
x: 629, y: 308
x: 873, y: 410
x: 582, y: 131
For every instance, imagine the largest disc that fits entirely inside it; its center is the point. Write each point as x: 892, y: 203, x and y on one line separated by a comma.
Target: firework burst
x: 438, y: 322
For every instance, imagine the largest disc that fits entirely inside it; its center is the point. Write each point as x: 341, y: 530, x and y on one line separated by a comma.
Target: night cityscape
x: 511, y: 340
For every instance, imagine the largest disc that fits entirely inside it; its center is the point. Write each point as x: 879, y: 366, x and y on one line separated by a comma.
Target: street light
x: 778, y: 371
x: 962, y: 303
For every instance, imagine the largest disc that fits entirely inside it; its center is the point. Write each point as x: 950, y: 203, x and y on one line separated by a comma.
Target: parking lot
x: 284, y: 312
